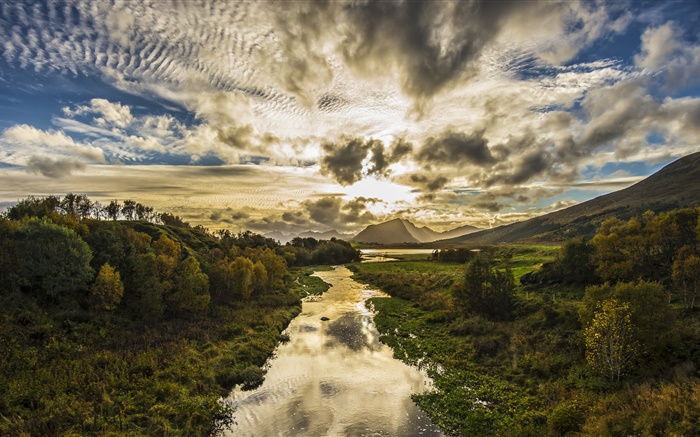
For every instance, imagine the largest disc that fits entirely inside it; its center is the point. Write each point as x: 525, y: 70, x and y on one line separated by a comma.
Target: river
x: 334, y: 377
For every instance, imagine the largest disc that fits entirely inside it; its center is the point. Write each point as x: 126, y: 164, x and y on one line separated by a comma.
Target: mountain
x: 285, y: 238
x: 675, y: 186
x: 403, y: 231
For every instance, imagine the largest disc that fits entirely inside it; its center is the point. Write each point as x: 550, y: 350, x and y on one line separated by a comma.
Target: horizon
x: 298, y: 117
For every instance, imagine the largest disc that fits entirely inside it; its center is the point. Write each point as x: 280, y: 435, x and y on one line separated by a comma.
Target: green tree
x: 686, y: 275
x: 575, y: 262
x: 143, y: 291
x: 190, y: 295
x: 611, y: 347
x: 484, y: 289
x: 108, y: 290
x: 53, y: 258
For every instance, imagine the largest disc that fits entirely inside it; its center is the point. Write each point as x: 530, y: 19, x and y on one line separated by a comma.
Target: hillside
x: 675, y: 186
x: 403, y: 231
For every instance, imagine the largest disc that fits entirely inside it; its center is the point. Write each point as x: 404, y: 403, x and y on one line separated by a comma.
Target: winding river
x: 334, y: 377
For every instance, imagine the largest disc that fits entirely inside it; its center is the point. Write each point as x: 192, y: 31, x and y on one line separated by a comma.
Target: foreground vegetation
x: 601, y: 339
x: 113, y: 324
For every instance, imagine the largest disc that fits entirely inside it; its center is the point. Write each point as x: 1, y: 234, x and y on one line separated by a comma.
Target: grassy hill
x: 675, y: 186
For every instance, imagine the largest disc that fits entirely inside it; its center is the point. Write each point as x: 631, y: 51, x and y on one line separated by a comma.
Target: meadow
x: 526, y: 373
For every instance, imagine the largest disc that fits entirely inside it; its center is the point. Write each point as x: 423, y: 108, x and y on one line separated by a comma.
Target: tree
x: 113, y: 209
x: 190, y: 294
x: 143, y: 291
x: 84, y: 206
x: 686, y: 275
x: 650, y: 312
x: 484, y: 289
x: 69, y: 203
x: 611, y: 347
x: 260, y: 278
x: 129, y: 209
x: 108, y: 290
x: 53, y: 258
x: 575, y: 262
x: 242, y: 274
x: 612, y: 263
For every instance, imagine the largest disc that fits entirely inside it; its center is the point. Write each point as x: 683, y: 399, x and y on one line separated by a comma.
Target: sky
x: 334, y: 114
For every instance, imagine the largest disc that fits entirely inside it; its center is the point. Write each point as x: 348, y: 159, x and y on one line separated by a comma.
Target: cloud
x: 428, y: 183
x: 334, y: 212
x: 50, y: 141
x: 54, y: 168
x: 107, y: 113
x: 455, y: 148
x: 663, y: 49
x: 658, y: 46
x: 344, y: 160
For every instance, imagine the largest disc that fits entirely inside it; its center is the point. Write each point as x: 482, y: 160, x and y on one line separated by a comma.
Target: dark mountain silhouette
x: 403, y: 231
x: 675, y: 186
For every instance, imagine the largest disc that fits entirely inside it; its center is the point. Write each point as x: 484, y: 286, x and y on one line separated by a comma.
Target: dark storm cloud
x: 54, y: 168
x: 343, y: 160
x: 333, y: 211
x: 239, y: 215
x: 356, y: 210
x: 228, y: 216
x: 381, y: 159
x: 429, y: 183
x: 325, y: 210
x: 296, y: 217
x: 430, y: 44
x: 453, y: 148
x: 525, y: 167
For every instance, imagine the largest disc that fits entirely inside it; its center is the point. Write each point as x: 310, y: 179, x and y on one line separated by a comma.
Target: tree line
x: 65, y: 250
x: 80, y: 206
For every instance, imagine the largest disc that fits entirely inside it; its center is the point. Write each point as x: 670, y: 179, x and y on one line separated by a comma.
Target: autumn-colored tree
x: 650, y: 312
x: 686, y: 275
x: 612, y: 262
x: 107, y: 290
x: 260, y: 277
x: 611, y: 347
x: 242, y: 272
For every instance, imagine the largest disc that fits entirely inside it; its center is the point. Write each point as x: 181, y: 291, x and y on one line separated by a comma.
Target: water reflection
x: 334, y: 377
x: 384, y: 255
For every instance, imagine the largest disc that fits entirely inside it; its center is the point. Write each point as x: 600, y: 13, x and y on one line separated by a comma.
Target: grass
x: 307, y: 285
x: 526, y: 375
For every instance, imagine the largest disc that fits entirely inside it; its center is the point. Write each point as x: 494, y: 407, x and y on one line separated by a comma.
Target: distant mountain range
x: 403, y: 231
x: 285, y: 238
x: 675, y: 186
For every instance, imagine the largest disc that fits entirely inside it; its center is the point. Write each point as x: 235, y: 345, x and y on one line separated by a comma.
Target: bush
x: 566, y: 418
